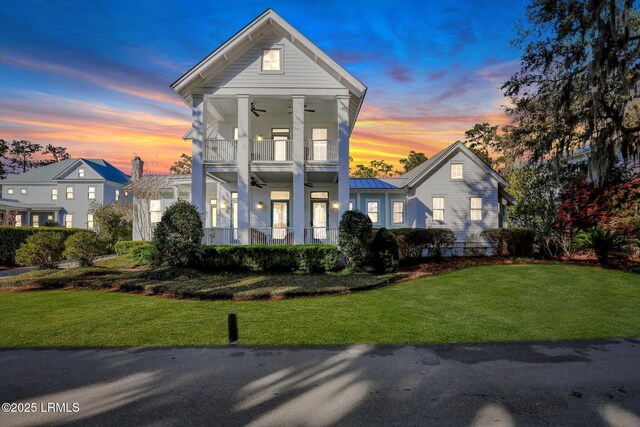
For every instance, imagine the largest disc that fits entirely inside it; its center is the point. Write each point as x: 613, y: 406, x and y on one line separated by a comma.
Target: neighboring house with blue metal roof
x: 62, y: 192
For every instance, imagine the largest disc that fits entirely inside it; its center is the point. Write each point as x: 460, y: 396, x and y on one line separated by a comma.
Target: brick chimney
x: 137, y: 168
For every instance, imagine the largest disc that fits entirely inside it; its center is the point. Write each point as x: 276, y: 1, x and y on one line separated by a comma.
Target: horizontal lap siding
x: 457, y: 194
x: 299, y: 70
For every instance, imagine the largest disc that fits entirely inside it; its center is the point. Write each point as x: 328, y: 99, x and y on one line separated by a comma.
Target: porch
x: 271, y: 236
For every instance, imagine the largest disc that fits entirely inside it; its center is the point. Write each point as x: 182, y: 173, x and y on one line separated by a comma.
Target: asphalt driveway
x: 567, y: 383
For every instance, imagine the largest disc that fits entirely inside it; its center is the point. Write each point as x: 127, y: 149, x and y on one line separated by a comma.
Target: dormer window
x: 272, y: 59
x: 81, y: 173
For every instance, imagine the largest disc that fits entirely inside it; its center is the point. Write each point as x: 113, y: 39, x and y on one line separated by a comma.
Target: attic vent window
x: 271, y: 59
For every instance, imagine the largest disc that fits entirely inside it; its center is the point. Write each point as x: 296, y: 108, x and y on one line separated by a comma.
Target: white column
x: 297, y: 208
x: 343, y: 154
x: 244, y: 148
x: 198, y: 188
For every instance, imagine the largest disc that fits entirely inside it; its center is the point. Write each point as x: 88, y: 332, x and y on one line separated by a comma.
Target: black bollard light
x: 233, y: 329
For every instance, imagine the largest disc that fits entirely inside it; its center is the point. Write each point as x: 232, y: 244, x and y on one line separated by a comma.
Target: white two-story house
x: 271, y: 119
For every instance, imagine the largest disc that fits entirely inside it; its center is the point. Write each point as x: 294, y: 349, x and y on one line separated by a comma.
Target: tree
x: 112, y: 222
x: 412, y: 160
x: 4, y: 148
x: 21, y: 155
x: 483, y: 139
x: 182, y: 166
x: 376, y: 168
x: 57, y: 153
x: 579, y: 73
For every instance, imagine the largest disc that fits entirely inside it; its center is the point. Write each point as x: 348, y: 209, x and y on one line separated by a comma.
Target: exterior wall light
x: 259, y: 137
x: 223, y: 206
x: 259, y: 206
x: 335, y: 205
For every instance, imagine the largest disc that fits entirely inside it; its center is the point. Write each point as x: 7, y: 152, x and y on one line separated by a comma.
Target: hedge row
x: 510, y: 241
x: 124, y: 247
x: 277, y: 258
x: 12, y: 237
x: 412, y: 242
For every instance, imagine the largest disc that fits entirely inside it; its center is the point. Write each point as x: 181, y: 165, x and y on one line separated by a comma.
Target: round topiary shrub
x: 43, y: 250
x: 83, y: 247
x: 385, y: 253
x: 178, y: 235
x: 354, y: 231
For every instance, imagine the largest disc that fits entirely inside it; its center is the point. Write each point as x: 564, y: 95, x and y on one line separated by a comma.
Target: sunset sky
x: 94, y: 76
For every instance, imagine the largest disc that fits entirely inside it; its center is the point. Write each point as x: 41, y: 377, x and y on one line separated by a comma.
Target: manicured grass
x: 117, y: 274
x: 481, y: 304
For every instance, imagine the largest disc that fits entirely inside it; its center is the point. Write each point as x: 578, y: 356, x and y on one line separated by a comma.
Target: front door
x: 279, y: 218
x: 319, y: 219
x: 280, y: 138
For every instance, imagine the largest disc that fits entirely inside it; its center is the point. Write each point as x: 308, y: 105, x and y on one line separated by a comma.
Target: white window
x: 438, y: 208
x: 9, y: 190
x: 398, y: 212
x: 69, y: 193
x: 117, y: 195
x: 35, y: 220
x: 81, y: 173
x: 235, y: 133
x: 319, y: 195
x: 18, y: 220
x: 49, y: 217
x: 456, y: 170
x: 214, y: 212
x: 476, y: 209
x: 92, y: 193
x: 68, y: 220
x: 54, y: 194
x: 271, y: 59
x: 155, y: 211
x: 373, y: 210
x: 90, y: 221
x: 351, y: 205
x: 23, y: 191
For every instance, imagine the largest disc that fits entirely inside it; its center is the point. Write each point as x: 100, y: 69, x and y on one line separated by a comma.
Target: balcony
x: 271, y: 150
x: 321, y: 151
x: 221, y: 151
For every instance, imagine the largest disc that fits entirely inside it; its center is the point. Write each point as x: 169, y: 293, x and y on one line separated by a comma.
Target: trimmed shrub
x: 384, y: 252
x: 145, y: 254
x: 43, y: 250
x: 510, y: 241
x: 12, y: 237
x: 474, y: 246
x: 267, y: 259
x: 412, y: 242
x: 353, y: 233
x: 601, y: 241
x: 124, y: 247
x: 178, y: 235
x: 83, y: 247
x: 50, y: 223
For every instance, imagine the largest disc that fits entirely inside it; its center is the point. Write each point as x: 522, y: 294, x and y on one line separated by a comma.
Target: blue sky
x: 95, y: 76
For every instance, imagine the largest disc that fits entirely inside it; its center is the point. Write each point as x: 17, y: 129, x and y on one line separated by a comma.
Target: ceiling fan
x: 307, y: 184
x: 255, y: 110
x: 255, y: 183
x: 309, y: 110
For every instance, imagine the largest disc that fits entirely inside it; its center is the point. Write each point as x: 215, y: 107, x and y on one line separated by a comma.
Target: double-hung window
x: 117, y: 195
x: 23, y: 191
x: 398, y: 212
x: 272, y: 59
x: 18, y: 220
x: 68, y: 220
x: 81, y: 173
x: 92, y: 193
x: 69, y: 193
x: 155, y: 211
x: 35, y: 220
x: 438, y: 208
x: 476, y: 209
x: 54, y: 194
x: 456, y: 171
x: 373, y: 210
x: 90, y: 221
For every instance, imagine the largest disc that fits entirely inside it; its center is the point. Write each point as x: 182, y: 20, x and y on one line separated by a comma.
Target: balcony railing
x: 272, y: 150
x: 320, y: 236
x: 221, y: 151
x: 271, y: 236
x: 221, y: 236
x: 321, y: 151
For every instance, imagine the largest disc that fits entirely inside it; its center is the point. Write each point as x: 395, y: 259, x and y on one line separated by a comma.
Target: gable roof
x: 417, y: 173
x: 53, y: 172
x: 239, y: 40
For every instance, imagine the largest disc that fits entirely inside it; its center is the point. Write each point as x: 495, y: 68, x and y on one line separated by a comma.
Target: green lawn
x: 490, y: 303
